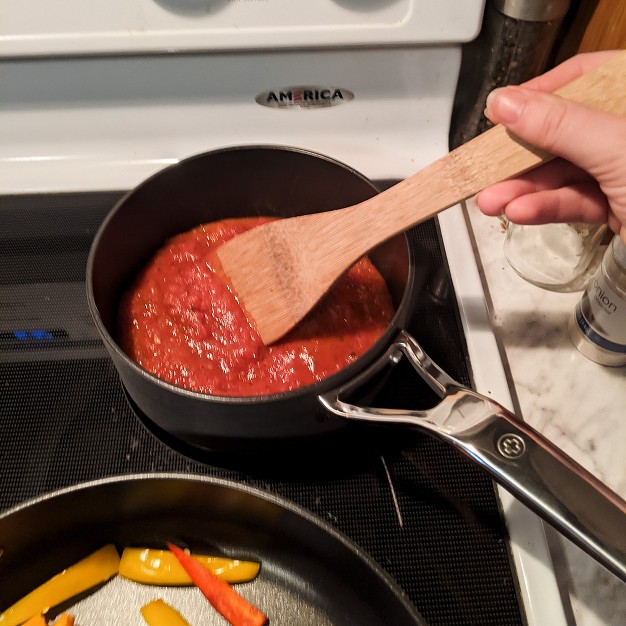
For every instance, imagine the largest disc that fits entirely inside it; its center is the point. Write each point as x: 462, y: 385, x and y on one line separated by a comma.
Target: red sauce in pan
x: 181, y: 321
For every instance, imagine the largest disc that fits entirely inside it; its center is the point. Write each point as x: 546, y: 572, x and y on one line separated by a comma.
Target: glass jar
x: 558, y: 257
x: 598, y: 325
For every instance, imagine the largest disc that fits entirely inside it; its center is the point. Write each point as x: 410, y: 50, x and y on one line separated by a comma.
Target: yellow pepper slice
x: 161, y: 567
x: 159, y: 613
x: 88, y: 572
x: 65, y: 619
x: 37, y: 620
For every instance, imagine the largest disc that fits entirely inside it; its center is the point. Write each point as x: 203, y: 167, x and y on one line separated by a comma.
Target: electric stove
x: 94, y: 102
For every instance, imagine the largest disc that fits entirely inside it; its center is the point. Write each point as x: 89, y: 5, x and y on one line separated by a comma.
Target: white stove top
x: 113, y: 121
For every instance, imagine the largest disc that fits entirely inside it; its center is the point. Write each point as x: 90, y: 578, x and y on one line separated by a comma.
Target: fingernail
x: 505, y: 105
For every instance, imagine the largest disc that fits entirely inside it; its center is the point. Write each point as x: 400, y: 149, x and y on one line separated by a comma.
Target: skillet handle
x: 518, y: 457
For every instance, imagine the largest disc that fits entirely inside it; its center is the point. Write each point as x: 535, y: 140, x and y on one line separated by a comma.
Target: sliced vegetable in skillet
x: 94, y: 569
x: 143, y: 565
x: 161, y: 567
x: 37, y: 620
x: 160, y: 613
x: 235, y: 608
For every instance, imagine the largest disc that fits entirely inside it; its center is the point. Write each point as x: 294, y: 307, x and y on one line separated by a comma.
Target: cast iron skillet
x: 310, y: 573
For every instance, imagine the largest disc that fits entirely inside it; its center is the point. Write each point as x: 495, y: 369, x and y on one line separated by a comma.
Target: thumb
x: 591, y: 139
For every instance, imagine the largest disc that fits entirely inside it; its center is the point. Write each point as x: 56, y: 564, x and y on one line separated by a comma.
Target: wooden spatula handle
x: 489, y: 158
x: 497, y: 154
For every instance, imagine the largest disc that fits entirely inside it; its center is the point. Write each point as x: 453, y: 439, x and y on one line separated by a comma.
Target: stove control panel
x: 46, y: 321
x: 70, y: 27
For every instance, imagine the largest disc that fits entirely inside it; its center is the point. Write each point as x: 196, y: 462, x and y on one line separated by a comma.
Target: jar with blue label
x: 598, y: 325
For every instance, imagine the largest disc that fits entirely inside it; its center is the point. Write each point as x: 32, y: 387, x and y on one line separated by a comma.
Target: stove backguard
x: 426, y: 514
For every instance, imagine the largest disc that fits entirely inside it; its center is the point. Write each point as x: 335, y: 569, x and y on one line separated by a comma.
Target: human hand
x: 588, y: 182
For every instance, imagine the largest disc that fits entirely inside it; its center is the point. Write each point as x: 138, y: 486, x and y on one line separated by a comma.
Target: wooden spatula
x: 280, y: 270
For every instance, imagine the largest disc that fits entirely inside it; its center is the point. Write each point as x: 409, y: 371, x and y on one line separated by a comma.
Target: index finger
x: 570, y: 69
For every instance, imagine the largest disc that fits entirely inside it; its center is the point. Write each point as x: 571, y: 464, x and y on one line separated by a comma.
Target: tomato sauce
x: 181, y: 321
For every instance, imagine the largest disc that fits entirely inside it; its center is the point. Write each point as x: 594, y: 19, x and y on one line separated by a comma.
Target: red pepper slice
x: 233, y: 607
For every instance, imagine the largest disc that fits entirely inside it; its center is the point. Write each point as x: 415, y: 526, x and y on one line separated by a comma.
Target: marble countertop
x: 577, y: 404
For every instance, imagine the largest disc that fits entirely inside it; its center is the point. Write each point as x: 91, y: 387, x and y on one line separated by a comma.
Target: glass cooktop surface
x: 428, y: 516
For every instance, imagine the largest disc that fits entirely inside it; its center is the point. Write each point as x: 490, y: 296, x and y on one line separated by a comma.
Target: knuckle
x: 553, y: 126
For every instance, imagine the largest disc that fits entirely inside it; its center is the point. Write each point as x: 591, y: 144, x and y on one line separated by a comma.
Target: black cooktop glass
x: 425, y: 513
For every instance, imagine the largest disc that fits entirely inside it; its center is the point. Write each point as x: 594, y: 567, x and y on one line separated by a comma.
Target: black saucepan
x: 232, y: 182
x: 310, y: 573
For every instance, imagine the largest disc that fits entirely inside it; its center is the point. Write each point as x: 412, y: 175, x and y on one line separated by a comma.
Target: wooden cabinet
x: 606, y: 28
x: 594, y: 25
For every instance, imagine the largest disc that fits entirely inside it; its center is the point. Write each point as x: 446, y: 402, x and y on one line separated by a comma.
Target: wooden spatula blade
x: 275, y: 277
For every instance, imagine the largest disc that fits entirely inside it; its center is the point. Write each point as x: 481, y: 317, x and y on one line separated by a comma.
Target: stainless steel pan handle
x: 518, y: 457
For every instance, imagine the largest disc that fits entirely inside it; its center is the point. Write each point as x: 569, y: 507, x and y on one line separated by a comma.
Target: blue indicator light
x: 33, y: 335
